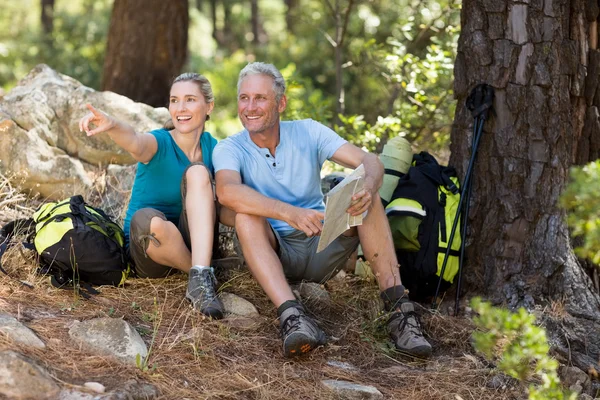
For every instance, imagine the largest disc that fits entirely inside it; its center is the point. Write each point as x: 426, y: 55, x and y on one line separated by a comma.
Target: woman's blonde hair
x: 204, y: 86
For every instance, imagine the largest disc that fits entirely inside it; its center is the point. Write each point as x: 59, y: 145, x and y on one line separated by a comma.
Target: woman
x: 171, y: 215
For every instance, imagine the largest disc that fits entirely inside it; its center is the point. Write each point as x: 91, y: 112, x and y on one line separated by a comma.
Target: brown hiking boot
x: 406, y: 332
x: 299, y: 332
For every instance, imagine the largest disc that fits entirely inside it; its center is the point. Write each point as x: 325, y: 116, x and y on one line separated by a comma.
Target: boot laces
x: 409, y: 319
x: 208, y: 281
x: 291, y: 324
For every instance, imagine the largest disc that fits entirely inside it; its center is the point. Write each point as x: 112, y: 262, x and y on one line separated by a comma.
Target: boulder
x: 40, y: 142
x: 22, y: 378
x: 18, y: 332
x: 110, y: 336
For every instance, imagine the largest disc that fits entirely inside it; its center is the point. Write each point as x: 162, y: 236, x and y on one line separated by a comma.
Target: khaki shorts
x: 140, y: 236
x: 301, y: 262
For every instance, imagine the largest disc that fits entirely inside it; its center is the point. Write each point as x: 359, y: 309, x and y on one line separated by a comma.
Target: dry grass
x: 196, y: 358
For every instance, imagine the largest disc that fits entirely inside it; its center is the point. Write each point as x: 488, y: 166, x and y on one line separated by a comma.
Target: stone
x: 40, y: 142
x: 313, y: 292
x: 95, y: 387
x: 22, y: 378
x: 237, y: 306
x: 70, y: 394
x: 574, y: 378
x: 352, y: 391
x: 110, y: 336
x: 18, y: 332
x: 341, y: 365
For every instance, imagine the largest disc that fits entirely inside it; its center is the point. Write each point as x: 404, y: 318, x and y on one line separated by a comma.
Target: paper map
x: 337, y: 220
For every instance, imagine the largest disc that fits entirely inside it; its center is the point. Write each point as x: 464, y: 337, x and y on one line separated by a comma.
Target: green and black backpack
x: 421, y: 213
x: 76, y: 243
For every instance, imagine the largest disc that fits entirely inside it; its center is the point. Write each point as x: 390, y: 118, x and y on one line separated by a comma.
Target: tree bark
x: 537, y: 56
x: 254, y: 18
x: 47, y: 17
x: 147, y: 48
x: 290, y: 15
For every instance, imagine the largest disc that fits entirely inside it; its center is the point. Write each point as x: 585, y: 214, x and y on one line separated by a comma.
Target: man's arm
x: 351, y: 156
x: 233, y: 194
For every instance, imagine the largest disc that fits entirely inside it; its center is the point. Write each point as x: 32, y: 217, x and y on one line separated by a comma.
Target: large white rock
x: 18, y: 332
x: 40, y: 141
x: 21, y: 378
x: 110, y: 336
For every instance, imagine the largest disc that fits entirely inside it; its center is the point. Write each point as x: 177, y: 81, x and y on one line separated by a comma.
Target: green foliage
x: 520, y: 346
x: 75, y: 48
x: 581, y: 200
x: 397, y: 59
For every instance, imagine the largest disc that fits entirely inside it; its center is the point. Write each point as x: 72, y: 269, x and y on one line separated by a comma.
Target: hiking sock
x: 289, y: 304
x: 198, y: 267
x: 394, y: 297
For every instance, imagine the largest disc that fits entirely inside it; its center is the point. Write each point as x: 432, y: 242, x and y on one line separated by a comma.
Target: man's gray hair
x: 260, y: 68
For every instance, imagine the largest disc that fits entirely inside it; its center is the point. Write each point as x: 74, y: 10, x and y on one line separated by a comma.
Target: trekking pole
x: 479, y: 103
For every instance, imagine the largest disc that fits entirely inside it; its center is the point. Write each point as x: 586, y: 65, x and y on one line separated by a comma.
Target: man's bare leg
x: 378, y: 246
x: 258, y: 245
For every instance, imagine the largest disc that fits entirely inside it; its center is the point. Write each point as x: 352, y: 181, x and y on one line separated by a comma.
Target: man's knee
x: 247, y: 225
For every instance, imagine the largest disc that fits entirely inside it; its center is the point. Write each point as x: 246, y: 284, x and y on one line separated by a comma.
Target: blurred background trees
x: 369, y: 68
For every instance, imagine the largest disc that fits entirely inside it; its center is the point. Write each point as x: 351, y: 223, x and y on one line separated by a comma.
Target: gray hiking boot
x: 405, y: 330
x: 299, y: 332
x: 201, y: 292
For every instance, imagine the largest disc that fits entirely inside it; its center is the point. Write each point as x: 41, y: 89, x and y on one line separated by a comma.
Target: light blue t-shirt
x: 158, y: 183
x: 293, y: 175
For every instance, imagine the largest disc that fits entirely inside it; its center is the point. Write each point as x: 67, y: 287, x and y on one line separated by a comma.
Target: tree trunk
x: 47, y: 17
x: 254, y: 18
x: 539, y: 58
x: 290, y: 15
x: 147, y: 48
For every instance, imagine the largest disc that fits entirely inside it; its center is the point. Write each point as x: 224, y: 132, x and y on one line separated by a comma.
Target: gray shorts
x: 140, y: 236
x: 301, y: 262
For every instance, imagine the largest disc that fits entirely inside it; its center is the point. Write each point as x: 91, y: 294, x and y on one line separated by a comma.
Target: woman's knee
x: 198, y: 173
x: 161, y: 228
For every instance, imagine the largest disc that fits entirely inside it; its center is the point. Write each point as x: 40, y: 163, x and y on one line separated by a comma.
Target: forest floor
x: 192, y: 357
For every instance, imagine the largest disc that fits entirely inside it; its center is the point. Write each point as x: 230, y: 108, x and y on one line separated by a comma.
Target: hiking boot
x: 201, y: 292
x: 405, y: 329
x: 299, y: 332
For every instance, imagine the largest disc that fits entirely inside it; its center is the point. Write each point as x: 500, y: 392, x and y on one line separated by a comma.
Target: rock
x: 341, y: 365
x: 95, y: 387
x: 110, y: 336
x: 352, y: 391
x: 235, y: 305
x: 40, y: 140
x: 313, y: 292
x: 18, y: 332
x: 574, y: 379
x: 21, y: 378
x: 134, y: 390
x: 70, y: 394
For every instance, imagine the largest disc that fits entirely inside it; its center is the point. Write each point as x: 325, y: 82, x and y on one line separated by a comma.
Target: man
x: 269, y: 175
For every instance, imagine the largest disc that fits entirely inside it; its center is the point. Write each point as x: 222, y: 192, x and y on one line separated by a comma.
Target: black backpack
x: 421, y: 213
x: 76, y: 243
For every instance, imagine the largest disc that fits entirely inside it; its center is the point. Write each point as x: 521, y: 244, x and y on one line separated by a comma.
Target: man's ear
x: 282, y: 104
